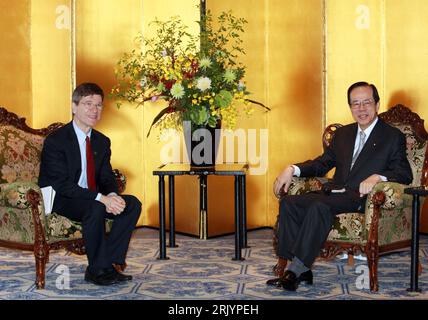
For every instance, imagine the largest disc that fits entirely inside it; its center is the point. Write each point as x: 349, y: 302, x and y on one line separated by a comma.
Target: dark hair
x: 363, y: 84
x: 86, y: 89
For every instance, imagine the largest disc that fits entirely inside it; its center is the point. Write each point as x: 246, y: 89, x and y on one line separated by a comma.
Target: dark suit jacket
x: 383, y: 153
x: 60, y: 165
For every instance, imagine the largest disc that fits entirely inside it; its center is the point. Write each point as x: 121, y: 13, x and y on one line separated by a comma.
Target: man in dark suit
x: 363, y: 154
x: 75, y: 161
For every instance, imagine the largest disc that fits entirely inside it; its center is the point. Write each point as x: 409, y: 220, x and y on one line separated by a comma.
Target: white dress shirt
x: 81, y: 138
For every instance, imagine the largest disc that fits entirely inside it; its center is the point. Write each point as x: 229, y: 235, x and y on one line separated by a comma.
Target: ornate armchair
x: 386, y: 225
x: 23, y: 223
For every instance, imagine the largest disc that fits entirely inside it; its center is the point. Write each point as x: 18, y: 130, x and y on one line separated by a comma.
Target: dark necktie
x: 90, y: 166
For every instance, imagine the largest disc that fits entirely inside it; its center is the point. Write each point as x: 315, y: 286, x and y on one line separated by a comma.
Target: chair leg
x: 419, y: 268
x: 372, y: 263
x: 351, y: 261
x: 120, y: 267
x: 280, y: 266
x: 41, y: 254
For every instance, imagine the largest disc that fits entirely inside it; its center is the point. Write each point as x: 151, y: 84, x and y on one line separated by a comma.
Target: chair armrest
x: 14, y: 195
x: 25, y: 223
x: 394, y: 215
x: 394, y: 195
x: 120, y: 179
x: 304, y: 185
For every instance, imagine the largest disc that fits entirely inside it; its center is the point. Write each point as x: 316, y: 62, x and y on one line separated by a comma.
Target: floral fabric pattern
x: 62, y: 228
x: 19, y: 155
x: 415, y: 153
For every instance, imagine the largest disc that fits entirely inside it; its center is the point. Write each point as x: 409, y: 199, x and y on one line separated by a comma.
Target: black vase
x: 202, y: 143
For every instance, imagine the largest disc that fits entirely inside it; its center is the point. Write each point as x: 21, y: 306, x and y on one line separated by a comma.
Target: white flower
x: 203, y: 83
x: 177, y: 91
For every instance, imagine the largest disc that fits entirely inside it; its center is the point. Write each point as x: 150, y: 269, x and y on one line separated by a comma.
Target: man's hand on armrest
x: 367, y: 185
x: 283, y: 181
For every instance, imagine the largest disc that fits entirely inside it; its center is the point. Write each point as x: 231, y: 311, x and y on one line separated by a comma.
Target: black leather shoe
x: 290, y: 281
x: 121, y: 277
x: 101, y: 278
x: 274, y: 282
x: 305, y: 276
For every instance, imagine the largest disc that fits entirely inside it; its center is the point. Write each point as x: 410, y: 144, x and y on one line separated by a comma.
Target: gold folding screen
x: 301, y: 57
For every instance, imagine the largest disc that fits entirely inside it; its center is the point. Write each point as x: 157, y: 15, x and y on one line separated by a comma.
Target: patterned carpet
x: 204, y: 270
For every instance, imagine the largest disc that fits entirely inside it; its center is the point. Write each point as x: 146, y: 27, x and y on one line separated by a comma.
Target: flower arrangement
x: 198, y: 76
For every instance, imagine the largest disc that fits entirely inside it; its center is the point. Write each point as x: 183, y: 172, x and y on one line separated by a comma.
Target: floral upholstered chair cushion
x: 19, y: 155
x: 61, y: 228
x: 16, y: 224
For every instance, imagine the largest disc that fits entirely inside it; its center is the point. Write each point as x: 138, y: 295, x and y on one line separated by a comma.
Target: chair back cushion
x: 416, y: 149
x: 19, y: 155
x: 413, y: 128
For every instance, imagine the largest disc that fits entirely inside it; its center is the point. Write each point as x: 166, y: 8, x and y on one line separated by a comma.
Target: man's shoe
x: 101, y: 278
x: 120, y: 276
x: 290, y: 281
x: 307, y: 277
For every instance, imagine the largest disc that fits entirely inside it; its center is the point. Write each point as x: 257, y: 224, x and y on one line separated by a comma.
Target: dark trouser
x: 306, y: 220
x: 102, y: 250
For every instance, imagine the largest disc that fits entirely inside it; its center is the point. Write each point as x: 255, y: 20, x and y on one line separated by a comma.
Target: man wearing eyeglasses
x: 363, y: 154
x: 75, y: 161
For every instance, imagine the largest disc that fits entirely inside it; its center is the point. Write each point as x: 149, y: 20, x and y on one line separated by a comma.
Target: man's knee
x: 97, y: 211
x: 133, y: 204
x: 318, y: 210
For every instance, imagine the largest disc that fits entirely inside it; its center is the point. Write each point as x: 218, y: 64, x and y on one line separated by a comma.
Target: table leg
x: 171, y: 212
x: 243, y: 195
x: 238, y: 227
x: 162, y: 242
x: 415, y: 245
x: 203, y: 207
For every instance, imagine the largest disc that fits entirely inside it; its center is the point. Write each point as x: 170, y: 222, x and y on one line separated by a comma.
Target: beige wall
x: 379, y: 41
x: 35, y: 65
x: 51, y: 61
x: 15, y: 57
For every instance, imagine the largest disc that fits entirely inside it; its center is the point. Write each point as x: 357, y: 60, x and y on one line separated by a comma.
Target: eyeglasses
x: 89, y: 105
x: 365, y: 103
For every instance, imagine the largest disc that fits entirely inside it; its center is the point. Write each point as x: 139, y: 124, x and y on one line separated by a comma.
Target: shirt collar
x: 81, y: 136
x: 369, y: 129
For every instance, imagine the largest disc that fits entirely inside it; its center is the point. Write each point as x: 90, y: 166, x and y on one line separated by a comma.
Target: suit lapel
x: 349, y: 148
x: 75, y: 152
x: 96, y: 149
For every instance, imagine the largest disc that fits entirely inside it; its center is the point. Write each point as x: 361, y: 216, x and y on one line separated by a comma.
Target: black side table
x: 416, y: 192
x: 239, y: 170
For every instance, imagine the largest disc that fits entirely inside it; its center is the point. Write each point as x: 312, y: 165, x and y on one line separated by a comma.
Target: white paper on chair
x: 48, y: 194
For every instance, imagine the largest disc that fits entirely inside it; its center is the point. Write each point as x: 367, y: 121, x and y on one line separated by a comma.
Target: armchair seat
x: 348, y: 227
x: 23, y: 222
